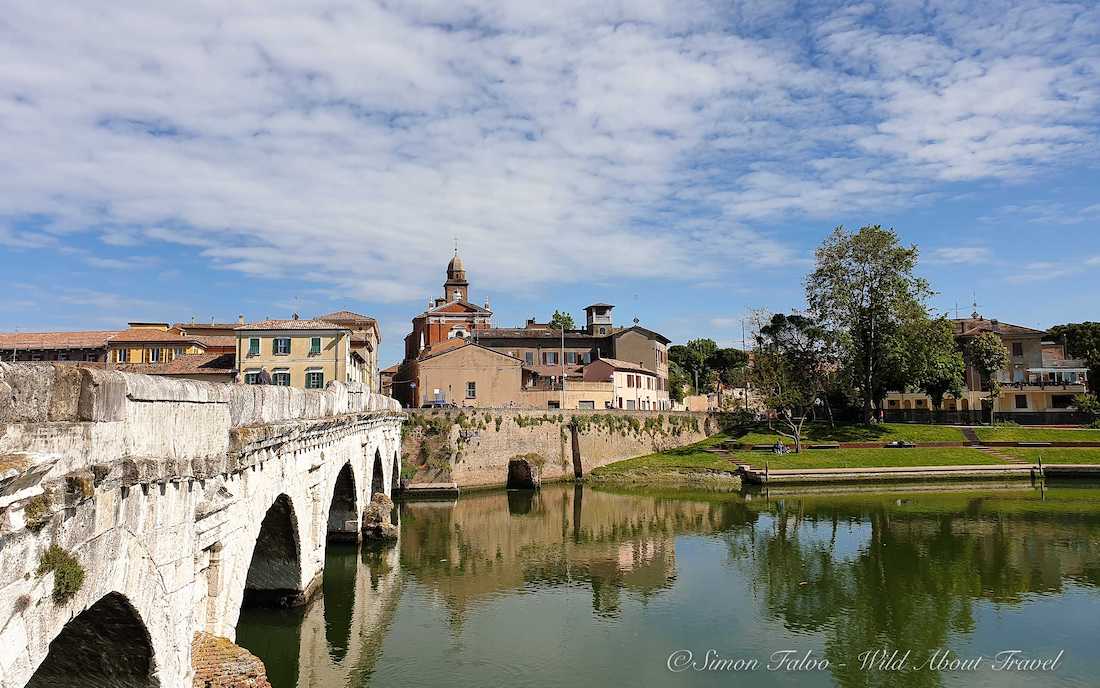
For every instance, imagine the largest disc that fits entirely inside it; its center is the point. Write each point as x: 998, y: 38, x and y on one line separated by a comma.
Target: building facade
x: 307, y: 354
x: 365, y: 340
x: 552, y: 361
x: 1038, y: 377
x: 86, y: 346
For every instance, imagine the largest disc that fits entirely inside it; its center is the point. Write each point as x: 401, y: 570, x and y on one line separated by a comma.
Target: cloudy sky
x: 680, y: 159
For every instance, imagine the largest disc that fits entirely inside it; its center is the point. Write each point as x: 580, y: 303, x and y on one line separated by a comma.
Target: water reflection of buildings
x: 492, y: 542
x: 337, y: 639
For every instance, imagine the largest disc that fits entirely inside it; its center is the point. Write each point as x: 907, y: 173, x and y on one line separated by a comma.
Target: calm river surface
x: 577, y: 586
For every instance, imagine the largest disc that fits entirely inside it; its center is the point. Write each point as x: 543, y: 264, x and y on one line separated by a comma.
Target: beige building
x: 634, y: 387
x: 460, y: 373
x: 306, y: 354
x: 1038, y: 377
x: 365, y: 340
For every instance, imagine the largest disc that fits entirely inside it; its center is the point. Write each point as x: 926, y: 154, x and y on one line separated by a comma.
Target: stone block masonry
x: 472, y: 447
x: 154, y: 493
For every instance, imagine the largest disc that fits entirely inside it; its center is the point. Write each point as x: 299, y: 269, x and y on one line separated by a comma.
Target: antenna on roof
x: 456, y: 245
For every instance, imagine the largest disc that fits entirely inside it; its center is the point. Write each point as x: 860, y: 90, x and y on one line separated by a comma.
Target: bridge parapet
x: 74, y: 418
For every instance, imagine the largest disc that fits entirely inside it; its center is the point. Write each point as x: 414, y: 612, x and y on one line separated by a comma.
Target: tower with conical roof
x: 456, y: 288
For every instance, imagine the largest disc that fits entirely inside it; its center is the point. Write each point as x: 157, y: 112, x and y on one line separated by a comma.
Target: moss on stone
x: 37, y: 512
x: 68, y: 574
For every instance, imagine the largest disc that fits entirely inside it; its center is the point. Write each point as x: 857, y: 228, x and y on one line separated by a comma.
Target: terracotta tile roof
x: 967, y: 327
x: 86, y: 339
x: 216, y: 340
x: 392, y: 370
x: 290, y: 325
x: 142, y: 334
x: 191, y: 364
x: 626, y: 365
x: 524, y: 333
x: 346, y: 316
x: 206, y: 326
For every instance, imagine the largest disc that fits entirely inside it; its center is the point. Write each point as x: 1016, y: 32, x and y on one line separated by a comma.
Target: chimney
x: 240, y: 319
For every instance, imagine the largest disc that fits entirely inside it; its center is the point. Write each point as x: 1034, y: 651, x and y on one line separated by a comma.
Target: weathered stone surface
x: 163, y: 492
x: 376, y: 519
x: 219, y: 663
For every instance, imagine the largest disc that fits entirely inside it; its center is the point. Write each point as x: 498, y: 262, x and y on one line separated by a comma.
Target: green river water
x: 576, y: 586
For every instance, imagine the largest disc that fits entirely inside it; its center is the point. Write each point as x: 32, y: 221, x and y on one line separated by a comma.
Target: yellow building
x: 151, y: 343
x: 307, y: 354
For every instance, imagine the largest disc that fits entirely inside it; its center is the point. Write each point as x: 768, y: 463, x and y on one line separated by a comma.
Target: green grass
x: 885, y: 432
x: 870, y: 458
x: 1054, y: 454
x: 1019, y: 434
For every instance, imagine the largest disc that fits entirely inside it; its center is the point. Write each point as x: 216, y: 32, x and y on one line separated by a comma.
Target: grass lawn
x: 864, y: 458
x: 1019, y: 434
x: 1054, y: 454
x: 885, y: 432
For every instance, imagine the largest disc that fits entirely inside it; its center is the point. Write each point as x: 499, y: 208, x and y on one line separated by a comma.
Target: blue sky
x: 680, y: 160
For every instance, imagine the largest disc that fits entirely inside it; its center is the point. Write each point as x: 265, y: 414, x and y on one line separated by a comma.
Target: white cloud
x: 350, y: 143
x: 968, y: 255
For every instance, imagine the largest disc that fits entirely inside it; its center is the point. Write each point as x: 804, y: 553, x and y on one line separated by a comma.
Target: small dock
x: 429, y: 491
x: 802, y: 476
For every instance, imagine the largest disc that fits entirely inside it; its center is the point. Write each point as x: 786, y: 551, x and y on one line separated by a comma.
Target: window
x: 1021, y: 401
x: 920, y: 403
x: 89, y: 356
x: 154, y: 355
x: 529, y: 357
x: 62, y: 355
x: 586, y: 405
x: 281, y: 377
x: 629, y: 404
x: 178, y: 351
x: 315, y: 379
x: 314, y: 346
x: 571, y: 357
x: 553, y: 405
x: 550, y: 357
x: 280, y: 346
x: 251, y: 377
x: 36, y: 357
x: 120, y: 355
x: 629, y: 380
x: 603, y: 330
x: 586, y: 357
x: 253, y: 346
x: 1017, y: 349
x: 471, y: 390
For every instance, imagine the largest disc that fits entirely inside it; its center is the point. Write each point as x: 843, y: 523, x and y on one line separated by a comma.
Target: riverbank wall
x: 473, y: 447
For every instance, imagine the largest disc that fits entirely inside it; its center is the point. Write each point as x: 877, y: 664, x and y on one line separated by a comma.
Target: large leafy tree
x: 1082, y: 340
x: 987, y: 353
x: 677, y: 381
x: 561, y: 320
x: 933, y: 362
x: 791, y: 363
x: 730, y: 367
x: 864, y: 288
x: 694, y: 359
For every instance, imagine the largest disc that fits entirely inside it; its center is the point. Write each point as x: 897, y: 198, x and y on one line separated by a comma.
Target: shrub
x: 68, y: 574
x: 37, y: 512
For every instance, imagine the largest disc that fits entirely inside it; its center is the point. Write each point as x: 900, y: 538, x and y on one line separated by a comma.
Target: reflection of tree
x: 914, y: 581
x: 486, y: 543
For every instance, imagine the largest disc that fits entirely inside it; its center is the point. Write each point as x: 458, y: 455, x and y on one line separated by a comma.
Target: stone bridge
x: 138, y: 512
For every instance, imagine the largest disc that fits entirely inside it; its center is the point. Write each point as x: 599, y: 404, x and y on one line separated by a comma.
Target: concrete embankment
x: 763, y: 476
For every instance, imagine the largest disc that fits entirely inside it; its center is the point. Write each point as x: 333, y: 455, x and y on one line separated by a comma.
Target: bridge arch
x: 274, y: 575
x: 107, y: 644
x: 378, y: 475
x: 343, y: 512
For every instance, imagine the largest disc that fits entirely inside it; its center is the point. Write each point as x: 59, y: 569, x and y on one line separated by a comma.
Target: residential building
x: 460, y: 373
x: 86, y: 346
x: 298, y: 353
x: 633, y: 386
x: 365, y: 340
x: 551, y: 360
x: 151, y: 344
x: 1038, y: 377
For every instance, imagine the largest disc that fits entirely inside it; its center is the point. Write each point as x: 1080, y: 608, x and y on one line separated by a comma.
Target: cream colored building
x: 634, y: 387
x: 365, y: 340
x: 307, y: 354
